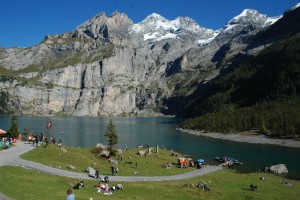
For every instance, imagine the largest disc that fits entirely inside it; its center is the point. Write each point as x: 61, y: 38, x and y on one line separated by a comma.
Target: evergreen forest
x: 256, y: 92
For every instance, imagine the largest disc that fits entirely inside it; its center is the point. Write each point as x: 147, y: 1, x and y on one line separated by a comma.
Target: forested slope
x: 256, y: 92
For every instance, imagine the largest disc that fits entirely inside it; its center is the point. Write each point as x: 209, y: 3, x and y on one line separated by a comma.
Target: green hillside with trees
x: 256, y: 92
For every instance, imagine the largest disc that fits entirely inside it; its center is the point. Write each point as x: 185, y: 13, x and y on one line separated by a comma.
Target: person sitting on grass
x: 286, y: 183
x: 113, y: 188
x: 253, y: 187
x: 100, y: 187
x: 79, y: 185
x: 106, y: 179
x: 206, y: 188
x: 70, y: 195
x: 106, y: 190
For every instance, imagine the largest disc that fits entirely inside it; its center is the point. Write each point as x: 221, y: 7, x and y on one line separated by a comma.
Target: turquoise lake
x: 88, y: 131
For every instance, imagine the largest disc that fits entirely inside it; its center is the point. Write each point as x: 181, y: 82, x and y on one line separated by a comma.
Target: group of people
x: 34, y: 139
x: 105, y: 189
x: 101, y: 188
x: 42, y: 138
x: 4, y: 142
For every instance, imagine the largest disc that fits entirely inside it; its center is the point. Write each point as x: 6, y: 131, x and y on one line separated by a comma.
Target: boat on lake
x: 225, y: 159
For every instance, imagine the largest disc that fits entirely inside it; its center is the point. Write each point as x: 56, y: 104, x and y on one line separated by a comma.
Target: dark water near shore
x: 88, y: 131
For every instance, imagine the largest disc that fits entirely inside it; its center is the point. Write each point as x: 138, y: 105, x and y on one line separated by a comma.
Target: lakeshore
x: 247, y: 138
x: 81, y: 132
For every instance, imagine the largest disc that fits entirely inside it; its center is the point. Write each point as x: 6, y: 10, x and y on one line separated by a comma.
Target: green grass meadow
x: 81, y: 158
x: 21, y: 184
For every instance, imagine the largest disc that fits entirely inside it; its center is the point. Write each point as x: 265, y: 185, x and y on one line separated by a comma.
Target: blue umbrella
x: 200, y: 160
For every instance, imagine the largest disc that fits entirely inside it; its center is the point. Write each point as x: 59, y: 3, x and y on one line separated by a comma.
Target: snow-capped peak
x: 296, y: 6
x: 248, y: 15
x: 253, y: 17
x: 154, y: 17
x: 246, y: 12
x: 156, y: 28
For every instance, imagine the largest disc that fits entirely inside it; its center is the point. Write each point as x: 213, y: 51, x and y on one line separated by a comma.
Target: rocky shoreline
x: 248, y: 138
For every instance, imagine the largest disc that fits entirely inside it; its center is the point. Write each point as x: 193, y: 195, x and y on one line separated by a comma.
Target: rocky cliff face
x: 111, y: 66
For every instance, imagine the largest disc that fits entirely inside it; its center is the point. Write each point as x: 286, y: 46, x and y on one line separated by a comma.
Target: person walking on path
x: 33, y: 140
x: 36, y: 141
x: 70, y: 195
x: 96, y: 173
x: 113, y: 170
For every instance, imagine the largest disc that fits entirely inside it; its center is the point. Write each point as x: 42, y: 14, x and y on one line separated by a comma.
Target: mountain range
x: 110, y: 66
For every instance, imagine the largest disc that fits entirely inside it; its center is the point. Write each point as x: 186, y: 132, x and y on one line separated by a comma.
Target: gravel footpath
x: 11, y: 157
x: 255, y: 139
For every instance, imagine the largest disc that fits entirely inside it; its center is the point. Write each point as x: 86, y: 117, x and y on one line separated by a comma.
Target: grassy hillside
x: 150, y: 165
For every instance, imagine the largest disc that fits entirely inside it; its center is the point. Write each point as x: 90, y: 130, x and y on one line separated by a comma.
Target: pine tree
x: 111, y: 135
x: 14, y: 128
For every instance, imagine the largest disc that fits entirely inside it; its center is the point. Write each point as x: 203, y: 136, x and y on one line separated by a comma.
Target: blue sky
x: 25, y: 22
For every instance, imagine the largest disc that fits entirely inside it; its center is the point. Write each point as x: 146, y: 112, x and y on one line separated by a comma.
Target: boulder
x: 113, y: 161
x: 142, y: 152
x: 104, y: 153
x: 119, y: 152
x: 91, y: 171
x: 119, y: 187
x: 63, y: 150
x: 101, y: 146
x: 279, y: 169
x: 71, y: 167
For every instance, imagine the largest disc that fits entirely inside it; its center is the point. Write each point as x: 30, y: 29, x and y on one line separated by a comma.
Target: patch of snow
x: 166, y: 25
x: 151, y: 36
x: 158, y: 37
x: 272, y: 20
x: 137, y: 28
x: 203, y: 42
x: 167, y: 36
x: 229, y: 27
